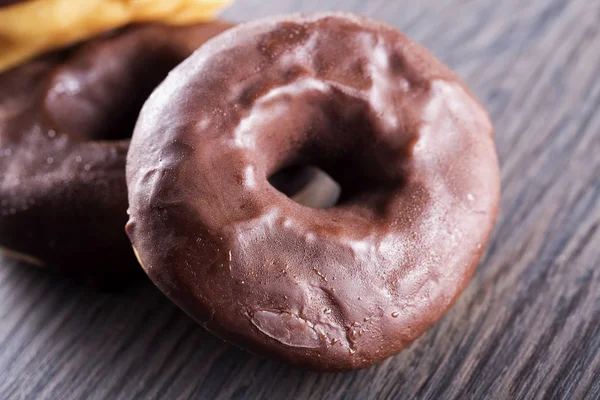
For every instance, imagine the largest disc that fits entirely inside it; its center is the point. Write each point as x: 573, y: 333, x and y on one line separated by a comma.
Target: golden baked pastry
x: 35, y: 26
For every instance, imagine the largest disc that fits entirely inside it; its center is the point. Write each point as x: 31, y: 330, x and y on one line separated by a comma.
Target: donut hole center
x: 307, y: 185
x: 98, y: 95
x: 348, y: 141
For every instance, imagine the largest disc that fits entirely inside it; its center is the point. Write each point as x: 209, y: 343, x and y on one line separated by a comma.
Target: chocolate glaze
x: 65, y: 120
x: 4, y: 3
x: 333, y: 289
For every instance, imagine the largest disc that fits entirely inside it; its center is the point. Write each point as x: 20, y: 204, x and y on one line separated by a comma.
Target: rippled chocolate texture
x: 65, y: 120
x: 333, y: 289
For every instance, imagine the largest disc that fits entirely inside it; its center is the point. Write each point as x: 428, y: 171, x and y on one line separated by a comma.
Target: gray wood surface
x: 528, y: 325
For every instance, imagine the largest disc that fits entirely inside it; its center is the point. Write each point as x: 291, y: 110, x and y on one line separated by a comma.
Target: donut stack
x: 332, y: 289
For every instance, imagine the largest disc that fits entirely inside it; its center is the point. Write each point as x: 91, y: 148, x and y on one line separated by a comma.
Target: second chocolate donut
x: 65, y: 123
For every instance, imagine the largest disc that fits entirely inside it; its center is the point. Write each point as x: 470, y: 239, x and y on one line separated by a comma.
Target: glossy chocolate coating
x: 333, y: 289
x: 65, y: 120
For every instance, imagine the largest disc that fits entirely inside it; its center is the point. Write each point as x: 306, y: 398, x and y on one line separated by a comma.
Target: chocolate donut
x: 329, y: 289
x: 65, y: 123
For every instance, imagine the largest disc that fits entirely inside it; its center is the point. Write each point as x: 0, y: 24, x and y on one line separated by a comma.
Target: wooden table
x: 528, y: 325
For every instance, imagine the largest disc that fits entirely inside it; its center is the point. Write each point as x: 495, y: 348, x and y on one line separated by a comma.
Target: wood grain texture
x: 528, y: 326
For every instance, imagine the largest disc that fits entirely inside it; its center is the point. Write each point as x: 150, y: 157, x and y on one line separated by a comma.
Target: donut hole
x: 342, y: 136
x: 354, y: 178
x: 360, y: 174
x: 98, y: 96
x: 307, y: 185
